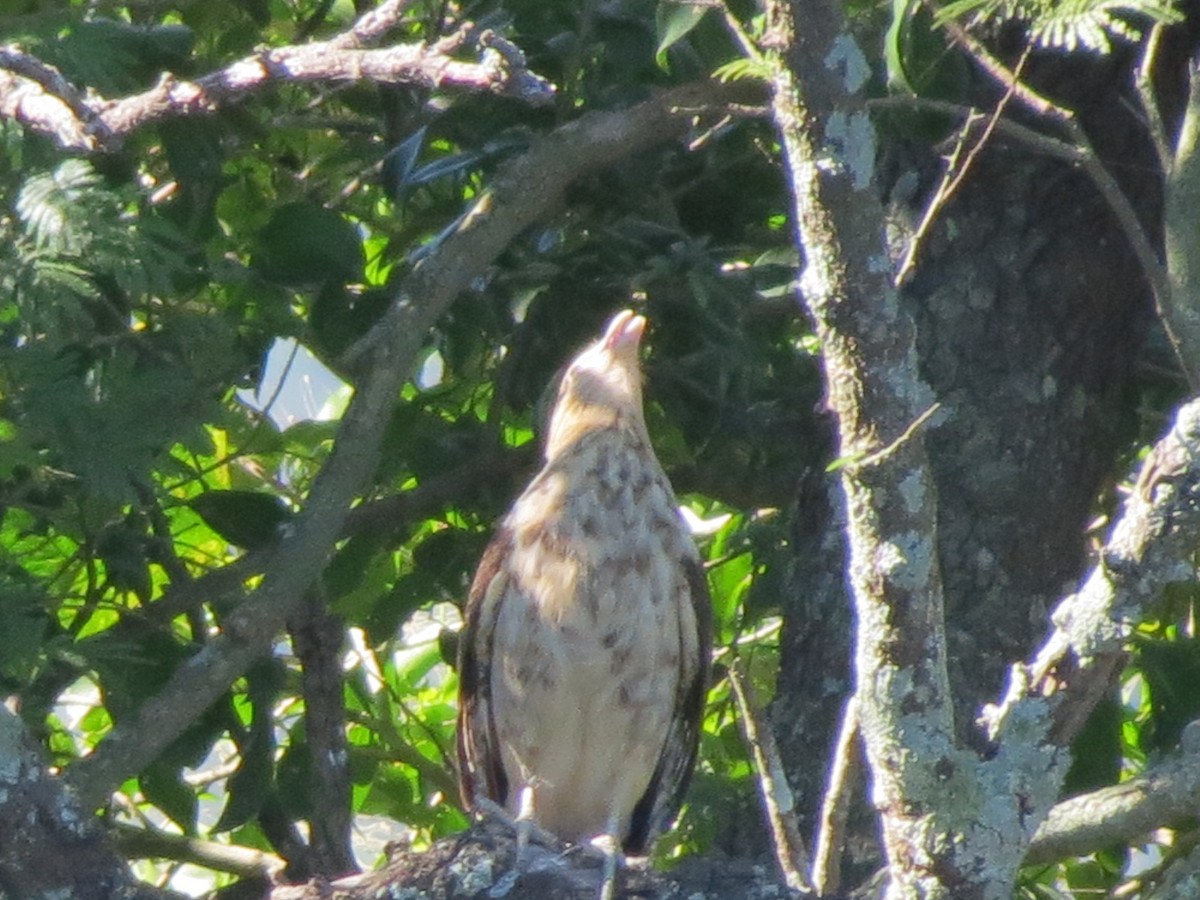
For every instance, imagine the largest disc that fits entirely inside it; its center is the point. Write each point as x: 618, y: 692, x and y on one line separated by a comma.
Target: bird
x: 585, y: 654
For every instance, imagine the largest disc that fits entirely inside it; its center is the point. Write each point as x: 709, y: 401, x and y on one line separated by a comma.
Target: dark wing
x: 664, y: 795
x: 480, y: 766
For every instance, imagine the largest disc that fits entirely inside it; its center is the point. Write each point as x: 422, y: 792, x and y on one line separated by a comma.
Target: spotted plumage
x: 584, y: 660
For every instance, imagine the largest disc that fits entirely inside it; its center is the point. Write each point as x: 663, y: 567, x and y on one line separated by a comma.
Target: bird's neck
x: 568, y: 430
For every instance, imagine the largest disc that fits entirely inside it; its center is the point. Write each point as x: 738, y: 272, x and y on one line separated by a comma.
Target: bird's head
x: 601, y: 387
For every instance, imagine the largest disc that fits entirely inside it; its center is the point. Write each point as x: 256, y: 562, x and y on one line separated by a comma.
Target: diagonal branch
x: 524, y: 190
x: 779, y: 808
x: 1165, y: 793
x: 1049, y: 699
x: 1150, y: 546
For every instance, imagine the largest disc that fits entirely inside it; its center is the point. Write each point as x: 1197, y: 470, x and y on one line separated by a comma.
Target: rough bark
x: 317, y: 637
x: 49, y: 844
x: 1030, y: 310
x: 881, y: 404
x: 482, y: 862
x: 1029, y: 316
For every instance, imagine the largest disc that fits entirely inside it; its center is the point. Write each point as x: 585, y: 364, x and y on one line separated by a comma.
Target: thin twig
x: 373, y: 25
x: 777, y: 800
x: 954, y: 175
x: 940, y: 196
x: 1005, y: 77
x: 835, y: 806
x: 746, y: 43
x: 880, y: 455
x: 1078, y: 151
x: 1144, y: 82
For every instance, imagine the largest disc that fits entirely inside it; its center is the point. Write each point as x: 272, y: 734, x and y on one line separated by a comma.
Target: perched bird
x: 585, y: 655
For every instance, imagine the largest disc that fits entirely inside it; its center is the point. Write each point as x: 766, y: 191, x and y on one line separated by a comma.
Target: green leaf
x: 123, y: 552
x: 305, y: 244
x: 895, y: 45
x: 340, y: 316
x: 246, y: 519
x: 252, y: 783
x: 918, y: 58
x: 164, y: 787
x: 248, y: 787
x: 742, y: 69
x: 24, y: 625
x: 672, y: 22
x: 350, y: 565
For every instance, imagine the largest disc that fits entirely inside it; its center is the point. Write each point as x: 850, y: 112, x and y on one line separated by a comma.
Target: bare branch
x: 1162, y: 795
x: 835, y: 806
x: 1144, y: 82
x: 874, y: 387
x: 39, y: 98
x: 373, y: 25
x: 136, y: 843
x: 779, y: 806
x: 1005, y: 77
x: 317, y: 637
x: 955, y: 174
x: 1181, y: 232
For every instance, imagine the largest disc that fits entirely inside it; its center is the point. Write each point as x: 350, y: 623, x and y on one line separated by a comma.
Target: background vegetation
x: 151, y: 477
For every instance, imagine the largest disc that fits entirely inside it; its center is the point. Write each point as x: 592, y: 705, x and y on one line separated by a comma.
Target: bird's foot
x: 613, y: 861
x: 526, y: 830
x: 537, y: 848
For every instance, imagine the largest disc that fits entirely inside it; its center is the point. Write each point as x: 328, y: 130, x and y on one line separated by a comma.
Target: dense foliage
x: 144, y: 293
x: 147, y: 465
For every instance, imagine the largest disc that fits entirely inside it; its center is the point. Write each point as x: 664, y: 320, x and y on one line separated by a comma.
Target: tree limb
x: 317, y: 636
x: 246, y: 862
x: 38, y: 97
x: 482, y: 862
x: 835, y: 805
x: 49, y: 844
x: 1151, y: 545
x: 779, y: 805
x: 1163, y: 794
x: 872, y: 383
x: 524, y: 190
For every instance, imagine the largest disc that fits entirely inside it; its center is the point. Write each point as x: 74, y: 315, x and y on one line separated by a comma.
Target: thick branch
x: 1047, y: 700
x: 317, y: 638
x: 873, y: 386
x: 1166, y: 793
x: 524, y: 190
x: 39, y: 98
x: 483, y: 863
x: 1181, y: 232
x: 1150, y: 546
x: 49, y: 846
